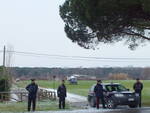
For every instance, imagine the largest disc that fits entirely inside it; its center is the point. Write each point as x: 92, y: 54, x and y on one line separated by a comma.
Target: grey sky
x: 35, y: 26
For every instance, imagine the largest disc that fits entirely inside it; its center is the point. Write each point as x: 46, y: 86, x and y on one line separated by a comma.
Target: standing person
x: 32, y: 89
x: 98, y: 89
x: 138, y: 87
x: 61, y: 93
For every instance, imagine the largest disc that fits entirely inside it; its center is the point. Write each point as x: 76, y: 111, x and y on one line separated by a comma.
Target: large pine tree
x: 89, y: 22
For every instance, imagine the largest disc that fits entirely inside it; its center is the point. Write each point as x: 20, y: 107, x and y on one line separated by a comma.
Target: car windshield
x: 111, y: 88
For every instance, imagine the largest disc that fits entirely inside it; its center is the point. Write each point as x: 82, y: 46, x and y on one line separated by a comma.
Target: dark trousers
x: 140, y: 99
x: 98, y: 99
x: 61, y: 102
x: 33, y: 102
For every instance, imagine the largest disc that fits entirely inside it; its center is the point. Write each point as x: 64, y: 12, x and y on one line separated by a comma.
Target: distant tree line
x: 100, y: 72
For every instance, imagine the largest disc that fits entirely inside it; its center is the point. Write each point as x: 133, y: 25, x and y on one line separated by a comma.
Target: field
x: 83, y: 87
x: 22, y: 106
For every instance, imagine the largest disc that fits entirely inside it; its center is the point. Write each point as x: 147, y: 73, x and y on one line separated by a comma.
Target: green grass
x: 22, y: 106
x: 83, y: 87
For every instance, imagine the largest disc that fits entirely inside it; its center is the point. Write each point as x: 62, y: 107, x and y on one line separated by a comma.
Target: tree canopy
x: 5, y: 84
x: 90, y: 22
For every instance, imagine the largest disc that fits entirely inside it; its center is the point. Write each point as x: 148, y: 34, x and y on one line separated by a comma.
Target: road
x: 92, y: 110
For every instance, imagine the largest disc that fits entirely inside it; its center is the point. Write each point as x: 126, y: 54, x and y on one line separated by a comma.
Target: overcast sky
x: 35, y: 26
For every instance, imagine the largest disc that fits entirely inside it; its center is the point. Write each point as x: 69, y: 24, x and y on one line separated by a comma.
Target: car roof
x: 110, y: 84
x: 104, y: 84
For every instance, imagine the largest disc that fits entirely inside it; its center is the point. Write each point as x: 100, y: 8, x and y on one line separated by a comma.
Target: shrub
x: 119, y: 76
x: 5, y: 83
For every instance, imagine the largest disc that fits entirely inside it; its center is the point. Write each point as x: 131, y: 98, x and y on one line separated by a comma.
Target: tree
x: 5, y: 83
x: 90, y: 22
x: 5, y: 80
x: 146, y: 73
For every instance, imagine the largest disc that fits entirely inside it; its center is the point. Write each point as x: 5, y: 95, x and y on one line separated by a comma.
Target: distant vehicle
x: 73, y: 80
x: 116, y: 94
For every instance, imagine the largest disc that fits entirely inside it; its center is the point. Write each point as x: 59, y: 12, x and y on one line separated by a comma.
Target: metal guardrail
x: 44, y: 94
x: 22, y: 95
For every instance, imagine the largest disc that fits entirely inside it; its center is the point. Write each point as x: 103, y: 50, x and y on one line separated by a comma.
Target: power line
x: 104, y: 59
x: 75, y: 59
x: 41, y: 54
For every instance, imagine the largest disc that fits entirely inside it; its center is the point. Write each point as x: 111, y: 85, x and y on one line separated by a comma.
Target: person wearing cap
x: 62, y: 94
x: 98, y: 89
x: 32, y: 88
x: 138, y: 87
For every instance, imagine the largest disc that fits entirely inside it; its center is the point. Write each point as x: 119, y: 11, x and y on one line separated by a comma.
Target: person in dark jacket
x: 138, y: 87
x: 98, y: 89
x: 32, y: 89
x: 61, y: 93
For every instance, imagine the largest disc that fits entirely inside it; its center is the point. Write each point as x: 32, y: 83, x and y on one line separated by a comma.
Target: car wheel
x: 92, y: 102
x: 110, y: 104
x: 133, y: 106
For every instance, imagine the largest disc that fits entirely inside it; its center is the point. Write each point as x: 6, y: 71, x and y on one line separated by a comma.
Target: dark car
x: 115, y: 94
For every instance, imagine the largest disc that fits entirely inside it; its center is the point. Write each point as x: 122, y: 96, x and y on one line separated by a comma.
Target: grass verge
x: 22, y: 106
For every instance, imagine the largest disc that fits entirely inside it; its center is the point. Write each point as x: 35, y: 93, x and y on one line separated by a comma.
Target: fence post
x: 21, y: 98
x: 54, y: 96
x: 49, y: 95
x: 2, y: 97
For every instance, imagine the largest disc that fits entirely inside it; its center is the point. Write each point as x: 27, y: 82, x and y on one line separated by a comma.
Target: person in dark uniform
x: 61, y: 93
x: 138, y: 87
x: 32, y: 89
x: 98, y: 89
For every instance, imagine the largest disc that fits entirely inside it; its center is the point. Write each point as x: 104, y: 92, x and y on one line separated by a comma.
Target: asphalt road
x: 131, y: 111
x: 92, y: 110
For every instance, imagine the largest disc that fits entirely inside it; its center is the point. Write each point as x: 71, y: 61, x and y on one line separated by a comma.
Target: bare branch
x: 136, y: 34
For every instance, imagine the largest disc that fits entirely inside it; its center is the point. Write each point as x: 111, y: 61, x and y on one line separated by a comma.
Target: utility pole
x: 4, y: 70
x: 4, y: 56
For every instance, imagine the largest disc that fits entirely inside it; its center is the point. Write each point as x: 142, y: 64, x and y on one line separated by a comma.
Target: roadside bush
x: 5, y: 84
